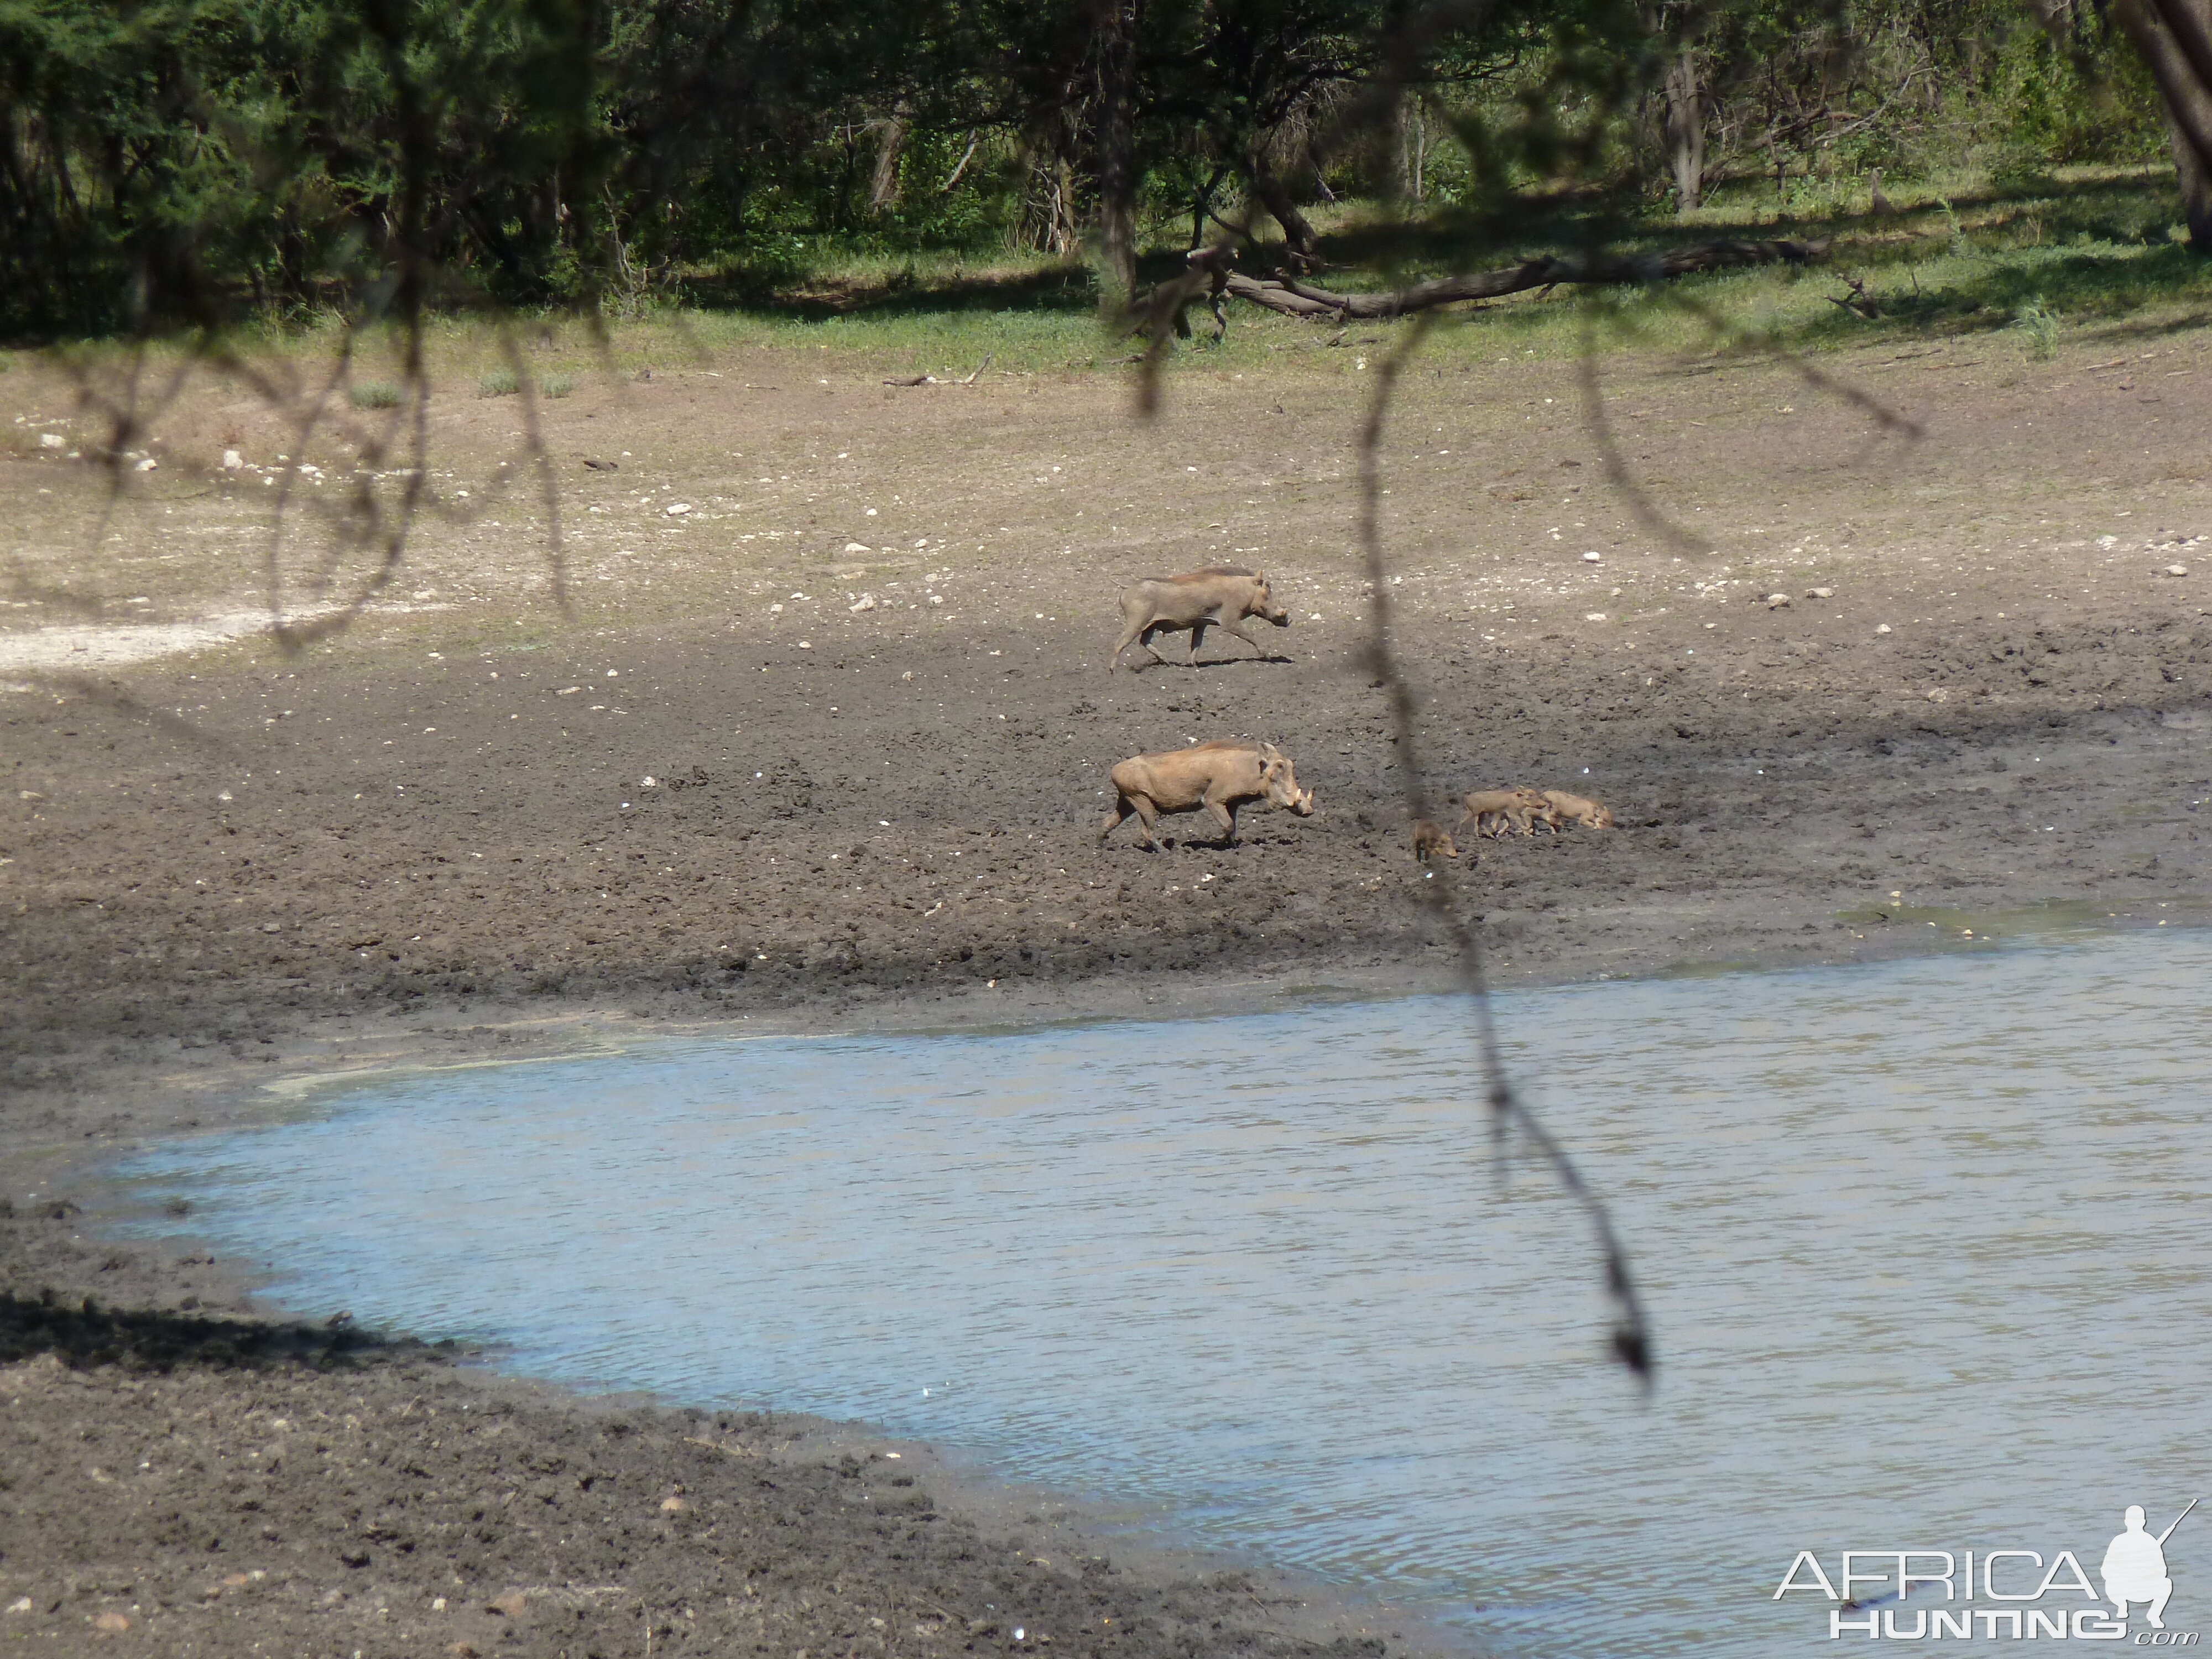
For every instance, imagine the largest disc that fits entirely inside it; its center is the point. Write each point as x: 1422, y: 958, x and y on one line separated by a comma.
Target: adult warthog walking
x: 1220, y: 596
x: 1220, y: 776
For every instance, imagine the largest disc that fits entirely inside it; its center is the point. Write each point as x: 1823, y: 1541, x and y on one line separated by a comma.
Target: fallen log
x: 930, y: 380
x: 1295, y: 298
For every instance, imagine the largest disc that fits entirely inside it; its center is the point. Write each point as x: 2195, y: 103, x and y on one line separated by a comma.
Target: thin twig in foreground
x: 1631, y: 1332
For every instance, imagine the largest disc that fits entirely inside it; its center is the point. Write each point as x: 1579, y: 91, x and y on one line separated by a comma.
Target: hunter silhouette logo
x: 1919, y: 1594
x: 2135, y: 1567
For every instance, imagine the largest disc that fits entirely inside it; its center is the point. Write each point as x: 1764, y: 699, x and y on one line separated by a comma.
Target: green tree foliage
x: 182, y: 158
x: 188, y: 161
x: 1797, y: 87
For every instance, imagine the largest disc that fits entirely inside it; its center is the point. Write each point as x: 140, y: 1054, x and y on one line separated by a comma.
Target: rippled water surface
x: 1926, y: 1244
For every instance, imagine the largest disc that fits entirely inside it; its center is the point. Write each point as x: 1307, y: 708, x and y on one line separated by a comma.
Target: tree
x: 2175, y: 40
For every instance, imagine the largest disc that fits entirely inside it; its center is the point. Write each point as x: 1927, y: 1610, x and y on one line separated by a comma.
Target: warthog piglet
x: 1497, y: 811
x: 1576, y: 809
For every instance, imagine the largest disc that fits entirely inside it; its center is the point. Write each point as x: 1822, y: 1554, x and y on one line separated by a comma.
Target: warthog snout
x: 1281, y: 780
x: 1263, y: 604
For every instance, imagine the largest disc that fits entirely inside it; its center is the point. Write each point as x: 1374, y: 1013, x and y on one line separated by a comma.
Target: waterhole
x: 1925, y: 1244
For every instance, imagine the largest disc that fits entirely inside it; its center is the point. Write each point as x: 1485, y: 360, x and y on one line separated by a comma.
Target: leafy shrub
x: 374, y: 394
x: 498, y: 383
x: 2038, y: 326
x: 556, y: 385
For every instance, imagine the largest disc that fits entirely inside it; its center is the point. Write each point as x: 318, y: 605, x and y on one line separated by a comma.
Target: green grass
x: 2081, y: 253
x: 2069, y: 254
x: 506, y: 383
x: 374, y: 394
x: 2038, y: 326
x: 2052, y: 261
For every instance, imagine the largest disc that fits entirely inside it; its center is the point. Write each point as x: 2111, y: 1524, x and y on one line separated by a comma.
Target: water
x: 1924, y: 1243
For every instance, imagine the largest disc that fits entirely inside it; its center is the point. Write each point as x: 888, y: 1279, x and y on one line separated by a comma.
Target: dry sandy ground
x: 435, y: 833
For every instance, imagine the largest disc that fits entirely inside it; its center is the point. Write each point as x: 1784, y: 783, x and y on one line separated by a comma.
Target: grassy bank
x: 2048, y: 255
x: 2079, y: 255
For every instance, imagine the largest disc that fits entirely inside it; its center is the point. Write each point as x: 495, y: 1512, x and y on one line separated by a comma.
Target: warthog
x: 1430, y: 842
x: 1564, y: 808
x: 1220, y: 596
x: 1497, y: 811
x: 1220, y: 776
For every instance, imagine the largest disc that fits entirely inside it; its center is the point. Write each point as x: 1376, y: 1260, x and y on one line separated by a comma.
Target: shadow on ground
x: 83, y: 1334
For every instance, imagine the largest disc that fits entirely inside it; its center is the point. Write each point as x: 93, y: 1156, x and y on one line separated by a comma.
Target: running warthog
x: 1220, y: 776
x: 1574, y: 809
x: 1220, y: 596
x: 1497, y: 811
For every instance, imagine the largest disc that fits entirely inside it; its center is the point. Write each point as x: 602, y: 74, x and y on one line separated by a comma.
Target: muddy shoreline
x: 1983, y: 712
x: 709, y: 1528
x: 165, y: 1415
x: 213, y: 1482
x: 560, y: 1522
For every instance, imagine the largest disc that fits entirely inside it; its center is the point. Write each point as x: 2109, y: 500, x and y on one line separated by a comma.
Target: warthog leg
x: 1237, y: 628
x: 1147, y: 816
x: 1136, y: 633
x: 1224, y: 814
x: 1197, y: 639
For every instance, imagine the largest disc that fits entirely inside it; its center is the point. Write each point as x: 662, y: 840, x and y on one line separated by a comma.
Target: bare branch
x: 1631, y: 1340
x: 1609, y: 456
x: 1297, y: 299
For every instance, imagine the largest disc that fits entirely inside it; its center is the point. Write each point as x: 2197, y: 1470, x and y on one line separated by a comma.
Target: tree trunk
x: 1067, y: 233
x: 1296, y: 298
x: 883, y: 185
x: 2196, y: 180
x: 1408, y: 139
x: 1046, y: 219
x: 1686, y: 132
x: 1202, y: 204
x: 1298, y: 233
x: 2175, y: 40
x: 1117, y: 158
x: 975, y: 136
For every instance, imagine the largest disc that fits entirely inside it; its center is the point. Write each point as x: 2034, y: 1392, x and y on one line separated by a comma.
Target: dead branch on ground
x: 938, y: 380
x: 1295, y: 298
